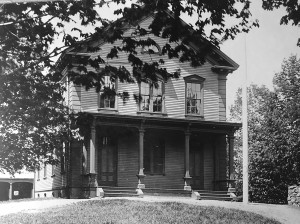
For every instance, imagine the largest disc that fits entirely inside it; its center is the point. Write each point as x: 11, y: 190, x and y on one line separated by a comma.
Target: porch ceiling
x: 153, y: 122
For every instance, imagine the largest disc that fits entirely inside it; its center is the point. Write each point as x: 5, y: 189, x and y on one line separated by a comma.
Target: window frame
x: 151, y: 103
x: 115, y: 97
x: 195, y: 79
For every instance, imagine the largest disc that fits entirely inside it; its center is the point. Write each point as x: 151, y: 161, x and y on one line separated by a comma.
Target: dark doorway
x: 22, y: 190
x: 4, y: 191
x: 107, y: 161
x: 196, y: 164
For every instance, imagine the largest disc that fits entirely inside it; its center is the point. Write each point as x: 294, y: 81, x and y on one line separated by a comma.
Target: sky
x: 263, y: 48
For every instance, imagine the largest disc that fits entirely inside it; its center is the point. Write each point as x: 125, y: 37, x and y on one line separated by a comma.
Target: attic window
x: 152, y: 49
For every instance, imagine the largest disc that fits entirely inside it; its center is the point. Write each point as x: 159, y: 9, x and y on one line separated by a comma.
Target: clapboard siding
x: 128, y: 161
x: 76, y: 164
x: 50, y: 181
x: 75, y: 97
x: 174, y: 164
x: 208, y: 165
x: 222, y: 145
x: 222, y: 97
x: 174, y: 89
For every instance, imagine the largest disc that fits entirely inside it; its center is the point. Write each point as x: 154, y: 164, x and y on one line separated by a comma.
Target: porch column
x: 10, y: 191
x: 187, y: 178
x: 92, y: 150
x: 141, y: 174
x: 231, y: 159
x: 32, y: 191
x: 93, y: 184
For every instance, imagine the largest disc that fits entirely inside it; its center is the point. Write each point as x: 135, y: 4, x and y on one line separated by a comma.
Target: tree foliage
x: 273, y: 121
x: 33, y: 121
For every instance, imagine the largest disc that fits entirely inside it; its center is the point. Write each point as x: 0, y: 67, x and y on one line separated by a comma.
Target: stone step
x: 120, y: 194
x: 211, y: 192
x: 218, y: 198
x: 111, y: 191
x: 165, y: 192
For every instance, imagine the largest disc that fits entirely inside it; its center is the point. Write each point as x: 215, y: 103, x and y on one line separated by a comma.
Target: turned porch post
x: 187, y: 178
x: 141, y: 174
x: 231, y: 159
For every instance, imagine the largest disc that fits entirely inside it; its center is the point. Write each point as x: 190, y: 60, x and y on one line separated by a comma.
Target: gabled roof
x: 220, y: 61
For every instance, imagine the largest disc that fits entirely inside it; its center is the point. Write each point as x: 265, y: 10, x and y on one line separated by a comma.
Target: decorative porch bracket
x: 141, y: 174
x: 187, y: 178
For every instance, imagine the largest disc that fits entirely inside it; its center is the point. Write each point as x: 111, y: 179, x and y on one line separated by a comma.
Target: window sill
x: 108, y: 110
x: 44, y: 178
x: 53, y: 176
x: 158, y: 114
x: 194, y: 116
x: 38, y: 179
x: 155, y: 174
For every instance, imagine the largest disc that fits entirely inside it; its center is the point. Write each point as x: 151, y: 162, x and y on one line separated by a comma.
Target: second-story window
x: 194, y: 95
x: 151, y: 99
x: 107, y: 94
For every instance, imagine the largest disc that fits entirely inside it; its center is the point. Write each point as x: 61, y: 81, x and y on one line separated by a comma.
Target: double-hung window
x: 151, y: 97
x: 194, y: 95
x: 107, y: 94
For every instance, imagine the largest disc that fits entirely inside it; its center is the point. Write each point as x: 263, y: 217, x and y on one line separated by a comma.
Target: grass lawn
x: 126, y: 211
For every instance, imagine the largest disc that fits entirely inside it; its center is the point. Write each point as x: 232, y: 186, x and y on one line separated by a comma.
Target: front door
x: 196, y: 166
x: 107, y: 161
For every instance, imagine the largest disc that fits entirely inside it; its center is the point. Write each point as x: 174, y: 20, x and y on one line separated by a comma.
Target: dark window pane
x: 193, y: 98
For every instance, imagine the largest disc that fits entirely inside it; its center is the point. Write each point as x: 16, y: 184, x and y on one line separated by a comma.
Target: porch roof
x: 163, y: 122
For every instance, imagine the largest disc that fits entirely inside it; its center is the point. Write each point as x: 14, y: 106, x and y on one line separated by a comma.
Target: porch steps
x: 119, y: 191
x: 214, y: 195
x: 166, y: 192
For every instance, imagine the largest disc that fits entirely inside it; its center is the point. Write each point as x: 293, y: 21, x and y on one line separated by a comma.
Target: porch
x: 158, y: 153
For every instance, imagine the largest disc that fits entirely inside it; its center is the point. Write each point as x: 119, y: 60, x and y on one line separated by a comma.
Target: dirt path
x: 34, y: 205
x: 283, y: 213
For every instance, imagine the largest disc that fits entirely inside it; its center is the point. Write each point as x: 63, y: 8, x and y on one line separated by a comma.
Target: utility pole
x: 245, y: 133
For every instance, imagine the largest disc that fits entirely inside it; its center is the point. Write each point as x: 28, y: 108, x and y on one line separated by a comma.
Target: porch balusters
x: 187, y: 178
x: 141, y: 174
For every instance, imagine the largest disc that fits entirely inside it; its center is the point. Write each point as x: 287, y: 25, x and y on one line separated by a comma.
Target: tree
x: 274, y: 153
x: 257, y: 96
x: 33, y: 121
